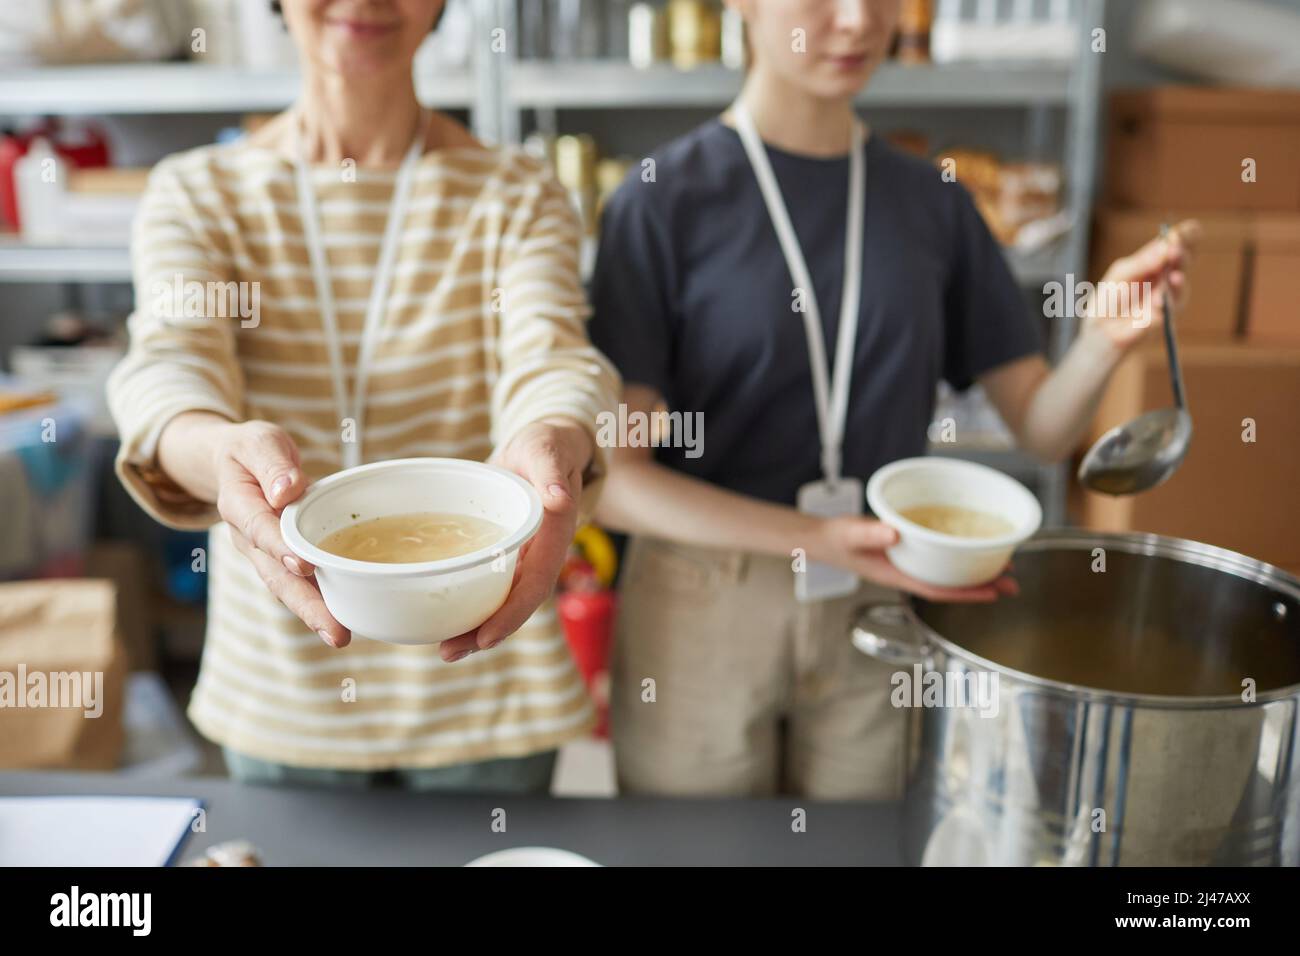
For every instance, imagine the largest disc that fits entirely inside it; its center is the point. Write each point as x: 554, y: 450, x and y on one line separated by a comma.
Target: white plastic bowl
x: 942, y: 559
x: 532, y: 856
x: 430, y: 601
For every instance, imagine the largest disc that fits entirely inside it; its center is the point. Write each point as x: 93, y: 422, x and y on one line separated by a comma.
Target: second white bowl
x: 942, y: 559
x: 421, y: 603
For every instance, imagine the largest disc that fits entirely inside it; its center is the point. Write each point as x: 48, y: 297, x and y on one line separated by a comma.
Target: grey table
x: 397, y: 828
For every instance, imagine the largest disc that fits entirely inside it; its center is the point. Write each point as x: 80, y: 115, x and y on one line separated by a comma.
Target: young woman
x: 390, y: 253
x: 803, y: 287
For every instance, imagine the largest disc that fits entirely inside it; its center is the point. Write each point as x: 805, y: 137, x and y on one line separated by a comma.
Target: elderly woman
x: 415, y: 293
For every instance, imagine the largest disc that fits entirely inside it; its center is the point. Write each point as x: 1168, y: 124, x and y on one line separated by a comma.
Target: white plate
x: 532, y: 856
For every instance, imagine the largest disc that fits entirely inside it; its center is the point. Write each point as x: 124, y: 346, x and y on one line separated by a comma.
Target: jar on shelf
x: 694, y: 33
x: 575, y: 168
x: 610, y: 173
x: 647, y: 35
x: 914, y: 22
x: 735, y: 51
x: 576, y: 29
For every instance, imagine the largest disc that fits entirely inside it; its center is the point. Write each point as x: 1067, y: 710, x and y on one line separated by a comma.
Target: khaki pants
x: 724, y: 685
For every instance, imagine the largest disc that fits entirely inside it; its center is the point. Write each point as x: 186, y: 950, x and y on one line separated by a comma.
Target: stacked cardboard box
x: 1228, y: 159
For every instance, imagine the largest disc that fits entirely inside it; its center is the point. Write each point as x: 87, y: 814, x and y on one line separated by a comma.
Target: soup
x: 959, y: 522
x: 413, y: 538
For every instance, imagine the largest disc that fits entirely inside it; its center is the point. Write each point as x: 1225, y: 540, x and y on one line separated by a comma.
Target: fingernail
x: 294, y: 565
x: 281, y: 485
x: 459, y: 657
x: 557, y: 490
x: 326, y: 637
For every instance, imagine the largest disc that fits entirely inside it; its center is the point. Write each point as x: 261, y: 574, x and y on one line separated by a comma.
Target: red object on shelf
x: 85, y: 148
x: 588, y: 621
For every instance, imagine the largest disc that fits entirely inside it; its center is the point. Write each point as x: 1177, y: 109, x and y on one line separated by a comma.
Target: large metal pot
x: 1122, y: 729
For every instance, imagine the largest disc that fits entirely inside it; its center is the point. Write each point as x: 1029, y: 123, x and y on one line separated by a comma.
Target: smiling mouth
x: 361, y: 28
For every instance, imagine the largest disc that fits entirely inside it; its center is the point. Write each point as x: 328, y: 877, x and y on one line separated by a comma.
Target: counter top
x: 327, y: 827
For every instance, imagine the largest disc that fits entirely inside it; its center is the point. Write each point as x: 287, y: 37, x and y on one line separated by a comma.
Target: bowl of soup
x: 958, y: 522
x: 417, y: 550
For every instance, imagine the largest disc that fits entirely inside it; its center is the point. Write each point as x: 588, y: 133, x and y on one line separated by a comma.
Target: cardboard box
x: 1273, y: 316
x: 62, y: 676
x: 1182, y: 145
x: 1229, y: 492
x: 1214, y: 309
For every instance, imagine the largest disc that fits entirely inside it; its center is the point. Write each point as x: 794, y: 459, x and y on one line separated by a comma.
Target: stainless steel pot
x: 1140, y: 708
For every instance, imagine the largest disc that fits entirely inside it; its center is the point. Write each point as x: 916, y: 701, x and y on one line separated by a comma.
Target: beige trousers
x: 724, y: 685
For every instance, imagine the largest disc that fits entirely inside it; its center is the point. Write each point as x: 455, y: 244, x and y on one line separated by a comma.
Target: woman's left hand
x: 1129, y: 300
x: 551, y: 455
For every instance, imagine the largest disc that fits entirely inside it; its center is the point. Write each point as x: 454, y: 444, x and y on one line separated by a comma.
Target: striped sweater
x: 484, y: 333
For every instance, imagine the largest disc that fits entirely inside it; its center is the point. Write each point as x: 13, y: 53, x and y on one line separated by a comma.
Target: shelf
x: 126, y: 88
x: 20, y: 262
x: 596, y: 84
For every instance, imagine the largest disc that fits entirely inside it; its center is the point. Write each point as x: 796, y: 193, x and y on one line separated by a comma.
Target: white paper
x: 93, y: 831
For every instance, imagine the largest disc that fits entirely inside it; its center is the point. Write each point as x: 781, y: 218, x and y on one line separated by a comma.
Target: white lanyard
x: 831, y: 397
x: 353, y: 407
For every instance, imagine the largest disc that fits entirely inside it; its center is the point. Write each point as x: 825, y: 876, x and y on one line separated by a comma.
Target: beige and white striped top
x: 484, y: 333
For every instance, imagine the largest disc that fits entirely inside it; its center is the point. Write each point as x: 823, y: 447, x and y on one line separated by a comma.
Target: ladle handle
x: 1171, y: 347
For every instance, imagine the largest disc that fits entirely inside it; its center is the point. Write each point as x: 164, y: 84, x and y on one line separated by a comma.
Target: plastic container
x: 1234, y: 42
x: 47, y: 471
x: 426, y: 602
x: 943, y: 559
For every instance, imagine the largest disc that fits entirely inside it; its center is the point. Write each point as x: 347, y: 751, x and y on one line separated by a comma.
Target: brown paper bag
x: 62, y: 676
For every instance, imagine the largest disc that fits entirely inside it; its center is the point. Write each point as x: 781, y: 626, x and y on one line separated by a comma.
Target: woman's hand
x: 259, y: 473
x: 1129, y: 300
x: 857, y: 543
x: 551, y: 455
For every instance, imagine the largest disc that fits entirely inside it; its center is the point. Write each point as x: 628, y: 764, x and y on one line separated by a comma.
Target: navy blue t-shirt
x: 692, y: 297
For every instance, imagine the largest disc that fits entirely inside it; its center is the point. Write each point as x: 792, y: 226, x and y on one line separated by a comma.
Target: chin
x: 838, y: 83
x: 842, y: 87
x: 360, y: 63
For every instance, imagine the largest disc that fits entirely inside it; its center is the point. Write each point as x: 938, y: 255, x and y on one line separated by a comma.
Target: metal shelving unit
x: 21, y: 262
x: 596, y: 84
x: 125, y: 89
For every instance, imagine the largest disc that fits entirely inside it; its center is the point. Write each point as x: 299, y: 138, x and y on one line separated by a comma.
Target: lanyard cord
x: 375, y: 307
x: 830, y: 397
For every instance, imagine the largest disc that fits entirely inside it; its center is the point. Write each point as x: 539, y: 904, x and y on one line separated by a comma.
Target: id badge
x: 821, y: 582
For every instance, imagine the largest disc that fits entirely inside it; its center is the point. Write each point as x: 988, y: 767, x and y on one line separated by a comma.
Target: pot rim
x: 1192, y: 552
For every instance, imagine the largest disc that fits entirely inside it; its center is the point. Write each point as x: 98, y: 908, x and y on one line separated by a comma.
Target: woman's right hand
x: 258, y: 473
x: 857, y: 543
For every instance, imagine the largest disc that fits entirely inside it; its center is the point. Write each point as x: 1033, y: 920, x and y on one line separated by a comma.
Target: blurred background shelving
x: 181, y: 87
x: 616, y: 84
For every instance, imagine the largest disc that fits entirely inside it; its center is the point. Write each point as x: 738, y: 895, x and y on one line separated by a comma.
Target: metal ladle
x: 1142, y: 453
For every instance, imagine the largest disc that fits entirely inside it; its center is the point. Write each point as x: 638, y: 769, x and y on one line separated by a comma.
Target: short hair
x: 279, y: 11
